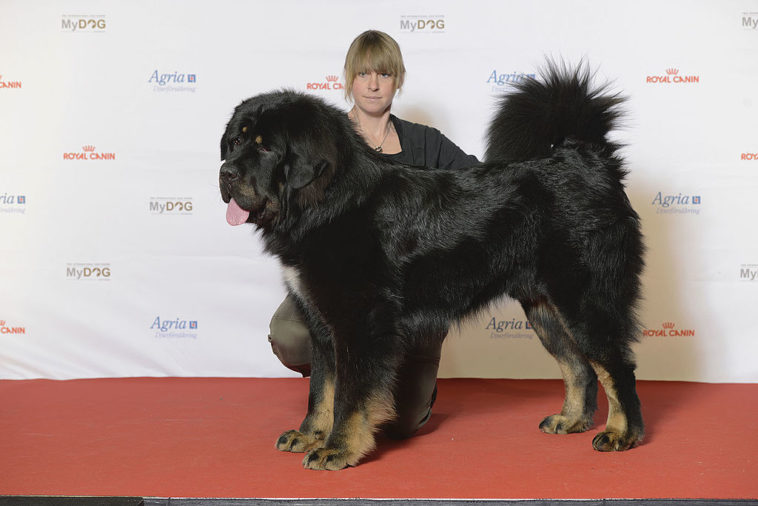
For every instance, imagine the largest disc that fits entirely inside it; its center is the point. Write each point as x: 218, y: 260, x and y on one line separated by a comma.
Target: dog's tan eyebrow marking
x: 259, y: 140
x: 244, y: 129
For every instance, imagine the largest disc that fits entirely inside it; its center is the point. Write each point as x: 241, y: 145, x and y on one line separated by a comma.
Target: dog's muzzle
x: 228, y: 175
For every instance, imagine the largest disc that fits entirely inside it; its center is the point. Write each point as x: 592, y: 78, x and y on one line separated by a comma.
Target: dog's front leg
x: 320, y: 417
x: 363, y: 400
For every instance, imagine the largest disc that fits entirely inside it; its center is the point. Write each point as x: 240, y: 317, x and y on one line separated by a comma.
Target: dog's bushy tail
x: 542, y: 113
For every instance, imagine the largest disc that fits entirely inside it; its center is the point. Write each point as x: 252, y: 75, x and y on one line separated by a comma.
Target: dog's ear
x: 299, y: 173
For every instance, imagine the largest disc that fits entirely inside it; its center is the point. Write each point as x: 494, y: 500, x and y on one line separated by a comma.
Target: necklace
x: 378, y: 148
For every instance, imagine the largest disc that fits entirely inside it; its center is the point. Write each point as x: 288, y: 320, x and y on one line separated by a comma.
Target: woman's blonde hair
x: 373, y: 51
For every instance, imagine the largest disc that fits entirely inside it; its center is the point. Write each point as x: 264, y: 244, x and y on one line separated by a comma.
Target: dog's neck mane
x: 359, y: 171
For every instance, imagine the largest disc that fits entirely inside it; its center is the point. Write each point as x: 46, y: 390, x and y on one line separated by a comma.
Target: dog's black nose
x: 229, y: 173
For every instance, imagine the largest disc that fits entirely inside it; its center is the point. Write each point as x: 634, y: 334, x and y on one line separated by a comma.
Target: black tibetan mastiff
x: 381, y: 255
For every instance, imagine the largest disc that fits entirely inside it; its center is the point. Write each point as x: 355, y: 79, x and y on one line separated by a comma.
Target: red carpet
x: 196, y: 437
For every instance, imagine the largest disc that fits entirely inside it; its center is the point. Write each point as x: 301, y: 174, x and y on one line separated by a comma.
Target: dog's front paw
x: 330, y: 459
x: 560, y: 424
x: 612, y: 441
x: 296, y: 441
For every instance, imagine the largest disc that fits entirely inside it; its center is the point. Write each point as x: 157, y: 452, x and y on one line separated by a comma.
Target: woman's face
x: 373, y: 92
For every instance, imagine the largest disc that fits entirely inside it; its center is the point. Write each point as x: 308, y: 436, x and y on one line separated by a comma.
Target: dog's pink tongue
x: 235, y: 215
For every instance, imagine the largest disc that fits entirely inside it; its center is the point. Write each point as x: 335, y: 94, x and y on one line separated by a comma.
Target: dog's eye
x: 259, y: 144
x: 236, y: 141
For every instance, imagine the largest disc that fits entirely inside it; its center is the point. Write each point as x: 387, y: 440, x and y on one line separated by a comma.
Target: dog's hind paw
x: 611, y: 441
x: 330, y: 459
x: 296, y: 441
x: 560, y: 424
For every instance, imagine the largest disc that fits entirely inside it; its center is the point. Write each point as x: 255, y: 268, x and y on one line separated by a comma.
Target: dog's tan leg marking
x: 355, y: 438
x: 315, y: 428
x: 572, y: 417
x: 617, y: 435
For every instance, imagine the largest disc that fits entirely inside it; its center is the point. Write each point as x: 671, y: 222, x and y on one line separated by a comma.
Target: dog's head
x: 279, y: 154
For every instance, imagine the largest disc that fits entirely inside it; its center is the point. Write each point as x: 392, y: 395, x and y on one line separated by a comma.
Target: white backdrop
x: 116, y: 260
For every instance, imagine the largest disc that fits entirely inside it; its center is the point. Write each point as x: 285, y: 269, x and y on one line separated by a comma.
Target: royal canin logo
x: 672, y: 76
x: 9, y: 84
x: 330, y: 82
x: 88, y: 152
x: 668, y: 329
x: 8, y: 329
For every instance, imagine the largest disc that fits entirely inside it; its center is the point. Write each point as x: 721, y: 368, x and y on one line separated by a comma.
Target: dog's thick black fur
x: 383, y: 256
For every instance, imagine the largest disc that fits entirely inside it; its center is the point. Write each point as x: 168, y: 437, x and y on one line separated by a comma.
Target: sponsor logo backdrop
x: 115, y: 256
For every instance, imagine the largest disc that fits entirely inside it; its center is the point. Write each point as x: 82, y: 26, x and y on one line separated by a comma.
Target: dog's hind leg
x: 602, y: 338
x: 624, y: 428
x: 579, y: 378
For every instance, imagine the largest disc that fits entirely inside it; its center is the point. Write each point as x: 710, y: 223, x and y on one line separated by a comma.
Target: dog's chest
x: 292, y: 280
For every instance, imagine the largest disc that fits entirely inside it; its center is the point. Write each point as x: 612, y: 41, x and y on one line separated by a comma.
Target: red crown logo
x: 668, y: 325
x: 331, y: 78
x: 2, y: 322
x: 88, y: 148
x: 672, y: 71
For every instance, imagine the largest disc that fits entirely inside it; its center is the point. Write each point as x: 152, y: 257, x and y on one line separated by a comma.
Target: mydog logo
x: 414, y: 23
x: 88, y: 272
x: 170, y: 206
x: 748, y: 272
x: 668, y: 329
x: 173, y: 81
x: 749, y: 20
x: 88, y: 152
x: 672, y: 76
x: 513, y: 328
x: 11, y: 329
x: 500, y: 82
x: 330, y: 82
x: 749, y: 156
x: 82, y: 23
x: 4, y: 83
x: 676, y: 203
x: 177, y: 327
x: 10, y: 203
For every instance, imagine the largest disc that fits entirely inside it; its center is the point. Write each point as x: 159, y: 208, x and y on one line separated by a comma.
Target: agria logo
x: 676, y: 203
x: 176, y: 328
x: 12, y: 204
x: 173, y: 81
x: 509, y: 329
x: 500, y: 82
